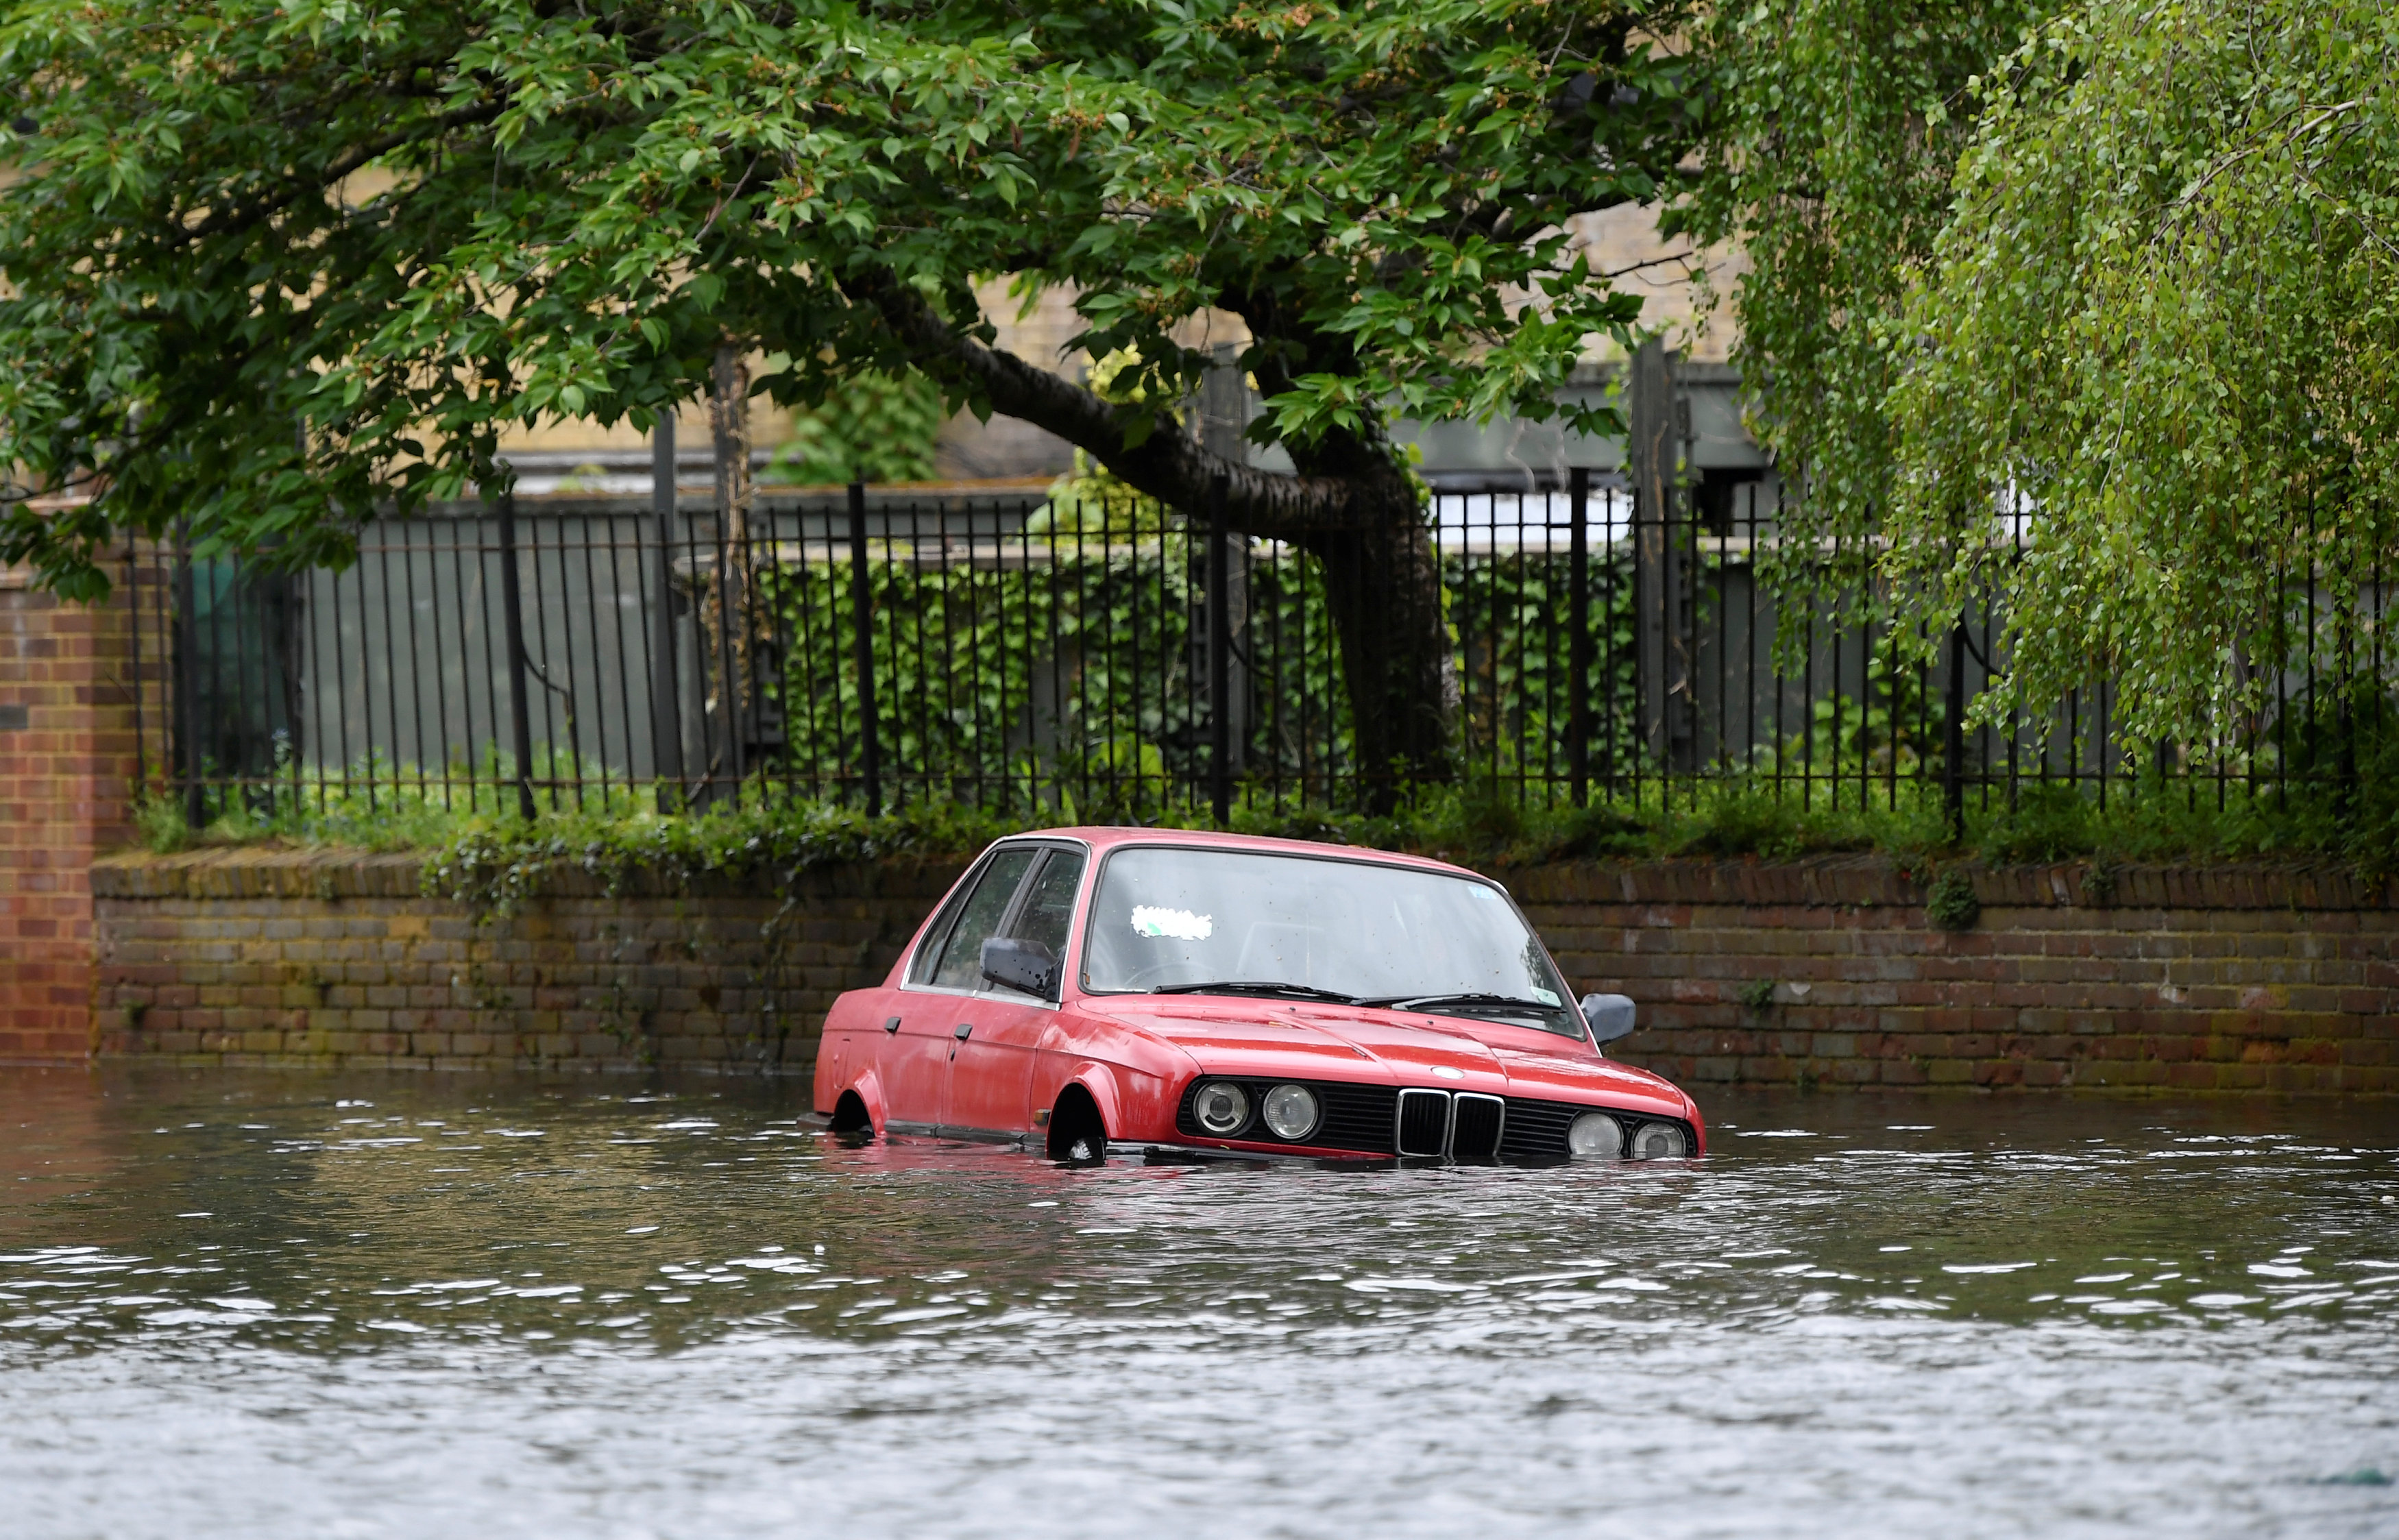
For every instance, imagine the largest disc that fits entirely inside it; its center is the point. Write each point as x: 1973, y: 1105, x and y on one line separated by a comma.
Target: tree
x: 274, y: 264
x: 2166, y: 317
x: 2125, y: 266
x: 1837, y: 131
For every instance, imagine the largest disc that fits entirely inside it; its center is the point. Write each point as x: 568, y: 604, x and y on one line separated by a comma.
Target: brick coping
x: 258, y: 871
x: 1837, y: 881
x: 1875, y: 881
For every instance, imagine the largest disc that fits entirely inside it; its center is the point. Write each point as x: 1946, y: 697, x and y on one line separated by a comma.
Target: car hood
x: 1313, y: 1042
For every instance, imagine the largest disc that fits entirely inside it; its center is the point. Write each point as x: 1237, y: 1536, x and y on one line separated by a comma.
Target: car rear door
x: 991, y: 1066
x: 943, y: 978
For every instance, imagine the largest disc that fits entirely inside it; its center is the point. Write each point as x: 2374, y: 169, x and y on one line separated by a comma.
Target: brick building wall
x: 68, y: 762
x: 1819, y: 972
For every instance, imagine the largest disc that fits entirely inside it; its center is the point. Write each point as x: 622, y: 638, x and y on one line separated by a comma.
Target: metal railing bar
x: 1022, y: 664
x: 415, y: 660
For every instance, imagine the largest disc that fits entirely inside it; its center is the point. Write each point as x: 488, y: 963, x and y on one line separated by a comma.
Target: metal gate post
x: 1953, y: 752
x: 1220, y: 660
x: 1656, y: 560
x: 861, y: 618
x: 186, y: 673
x: 1578, y: 636
x: 512, y: 616
x: 133, y: 638
x: 666, y: 704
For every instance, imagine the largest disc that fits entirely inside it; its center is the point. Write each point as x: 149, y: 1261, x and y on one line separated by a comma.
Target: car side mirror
x: 1610, y: 1017
x: 1026, y: 966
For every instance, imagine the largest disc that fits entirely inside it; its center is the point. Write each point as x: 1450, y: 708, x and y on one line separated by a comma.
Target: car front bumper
x: 1414, y: 1122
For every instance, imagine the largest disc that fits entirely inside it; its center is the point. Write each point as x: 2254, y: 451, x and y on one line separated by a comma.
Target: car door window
x: 1048, y: 908
x: 929, y: 955
x: 956, y: 958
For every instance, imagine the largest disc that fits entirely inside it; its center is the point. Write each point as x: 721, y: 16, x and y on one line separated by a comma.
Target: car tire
x: 1079, y: 1136
x: 851, y: 1122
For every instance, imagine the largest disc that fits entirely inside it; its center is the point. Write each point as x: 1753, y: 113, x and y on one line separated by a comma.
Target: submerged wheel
x: 850, y: 1119
x: 1079, y: 1136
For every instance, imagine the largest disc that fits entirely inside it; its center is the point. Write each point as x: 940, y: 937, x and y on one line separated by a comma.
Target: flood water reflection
x: 411, y: 1305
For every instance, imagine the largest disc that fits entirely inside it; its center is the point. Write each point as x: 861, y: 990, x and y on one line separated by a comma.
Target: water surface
x: 429, y: 1305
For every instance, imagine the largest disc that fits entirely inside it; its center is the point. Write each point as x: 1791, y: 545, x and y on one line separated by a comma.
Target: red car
x: 1202, y: 992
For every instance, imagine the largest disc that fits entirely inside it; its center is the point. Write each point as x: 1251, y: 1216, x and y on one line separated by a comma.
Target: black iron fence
x: 1090, y: 659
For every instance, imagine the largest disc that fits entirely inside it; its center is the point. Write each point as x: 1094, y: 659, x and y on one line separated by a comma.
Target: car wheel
x: 1079, y: 1136
x: 851, y: 1125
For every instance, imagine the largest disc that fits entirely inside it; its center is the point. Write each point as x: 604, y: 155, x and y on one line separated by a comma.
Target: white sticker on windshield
x: 1179, y: 923
x: 1545, y: 997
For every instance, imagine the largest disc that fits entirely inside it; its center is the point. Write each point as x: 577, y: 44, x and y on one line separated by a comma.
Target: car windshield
x: 1296, y: 926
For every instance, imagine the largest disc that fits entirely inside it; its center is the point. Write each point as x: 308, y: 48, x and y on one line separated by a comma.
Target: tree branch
x: 341, y: 165
x: 1168, y: 466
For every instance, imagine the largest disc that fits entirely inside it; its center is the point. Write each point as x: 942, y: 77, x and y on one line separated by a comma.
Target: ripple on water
x: 555, y: 1309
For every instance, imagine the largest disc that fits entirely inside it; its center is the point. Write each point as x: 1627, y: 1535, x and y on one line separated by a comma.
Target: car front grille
x: 1424, y: 1123
x: 1537, y: 1130
x: 1475, y: 1127
x: 1356, y: 1117
x: 1417, y: 1122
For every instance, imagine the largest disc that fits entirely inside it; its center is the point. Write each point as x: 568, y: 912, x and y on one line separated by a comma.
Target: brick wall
x: 258, y: 957
x: 67, y: 767
x: 1818, y: 972
x: 1825, y: 973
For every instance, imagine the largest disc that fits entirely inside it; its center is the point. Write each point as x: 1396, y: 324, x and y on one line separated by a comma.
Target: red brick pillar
x: 68, y: 767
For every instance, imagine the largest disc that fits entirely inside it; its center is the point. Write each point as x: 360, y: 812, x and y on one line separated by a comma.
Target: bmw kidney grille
x: 1461, y: 1124
x: 1475, y: 1126
x: 1424, y: 1123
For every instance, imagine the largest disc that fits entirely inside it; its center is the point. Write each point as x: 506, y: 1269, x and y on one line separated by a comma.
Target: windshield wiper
x: 1459, y: 1002
x: 1250, y: 986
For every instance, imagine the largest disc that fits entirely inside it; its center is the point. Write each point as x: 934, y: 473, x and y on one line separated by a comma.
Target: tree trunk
x: 1382, y: 584
x: 731, y: 616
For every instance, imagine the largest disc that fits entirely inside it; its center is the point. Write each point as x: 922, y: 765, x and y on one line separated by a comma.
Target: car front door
x: 944, y: 979
x: 991, y: 1066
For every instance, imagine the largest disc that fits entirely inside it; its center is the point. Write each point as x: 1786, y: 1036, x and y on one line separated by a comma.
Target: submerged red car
x: 1202, y: 994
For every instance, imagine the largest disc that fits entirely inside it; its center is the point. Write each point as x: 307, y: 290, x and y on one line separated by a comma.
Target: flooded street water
x: 325, y: 1306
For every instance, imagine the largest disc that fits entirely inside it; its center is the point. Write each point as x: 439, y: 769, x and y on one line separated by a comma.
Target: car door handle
x: 891, y: 1025
x: 962, y: 1031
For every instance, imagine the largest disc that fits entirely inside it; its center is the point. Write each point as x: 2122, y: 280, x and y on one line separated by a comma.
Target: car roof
x: 1102, y: 838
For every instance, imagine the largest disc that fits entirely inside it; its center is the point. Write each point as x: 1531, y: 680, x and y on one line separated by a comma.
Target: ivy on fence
x: 1064, y: 665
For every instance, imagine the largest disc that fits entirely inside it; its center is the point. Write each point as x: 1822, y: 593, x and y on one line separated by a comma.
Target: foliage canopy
x: 875, y: 427
x: 1838, y: 124
x: 2166, y: 314
x: 2125, y: 268
x: 273, y: 261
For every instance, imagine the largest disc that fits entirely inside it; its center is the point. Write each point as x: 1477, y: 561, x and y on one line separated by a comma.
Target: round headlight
x: 1659, y: 1141
x: 1596, y: 1136
x: 1221, y: 1107
x: 1291, y: 1112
